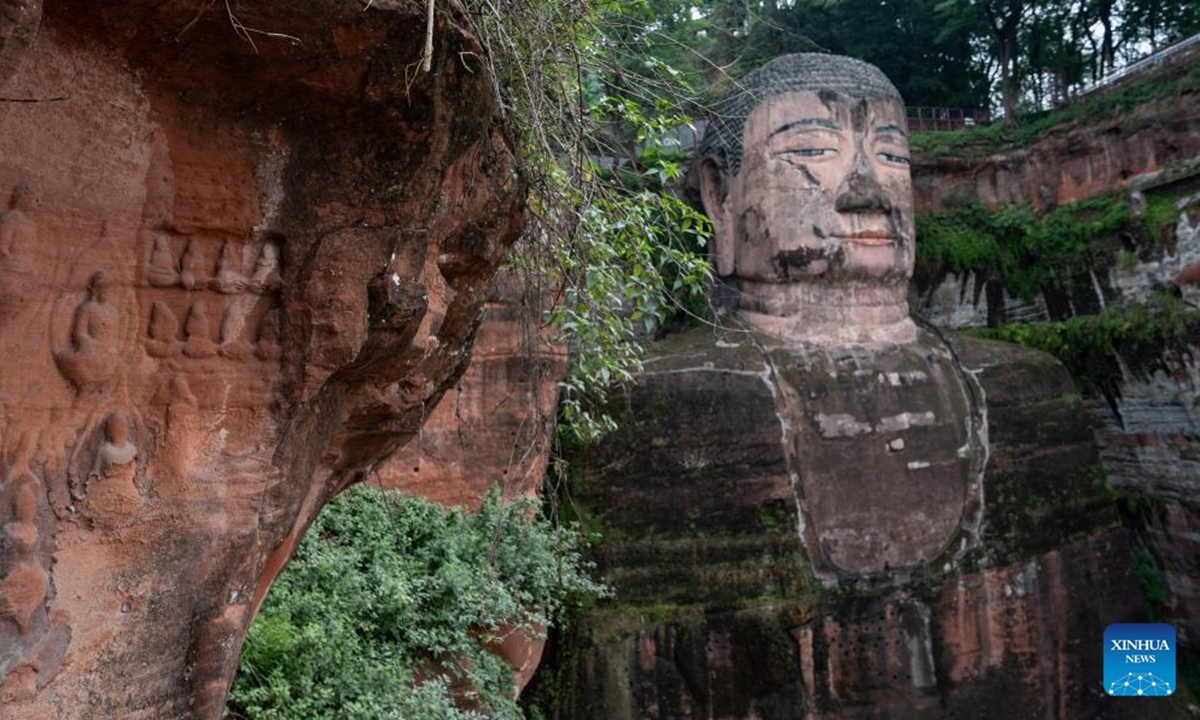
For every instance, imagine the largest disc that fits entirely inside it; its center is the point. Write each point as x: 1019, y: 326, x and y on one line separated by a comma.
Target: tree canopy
x: 948, y: 53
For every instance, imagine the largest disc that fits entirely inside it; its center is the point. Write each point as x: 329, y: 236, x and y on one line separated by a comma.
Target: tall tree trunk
x: 1107, y: 54
x: 1005, y: 27
x: 1010, y: 89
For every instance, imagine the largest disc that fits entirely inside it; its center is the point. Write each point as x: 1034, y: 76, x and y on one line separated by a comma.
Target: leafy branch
x: 621, y: 251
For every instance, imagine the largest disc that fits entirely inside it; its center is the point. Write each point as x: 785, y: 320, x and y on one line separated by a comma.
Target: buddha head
x: 805, y: 176
x: 98, y: 286
x: 23, y: 197
x: 116, y: 429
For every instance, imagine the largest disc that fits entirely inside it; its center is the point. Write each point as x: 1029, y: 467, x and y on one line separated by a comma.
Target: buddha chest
x: 885, y: 448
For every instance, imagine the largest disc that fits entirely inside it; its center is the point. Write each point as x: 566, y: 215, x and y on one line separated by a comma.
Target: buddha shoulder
x: 1011, y: 373
x: 1029, y: 396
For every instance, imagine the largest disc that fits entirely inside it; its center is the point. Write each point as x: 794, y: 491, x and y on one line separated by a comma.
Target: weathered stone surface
x: 238, y: 273
x: 1068, y: 165
x: 995, y: 644
x: 1150, y: 442
x: 1176, y: 267
x: 19, y: 20
x: 1150, y: 435
x: 1171, y: 531
x: 962, y: 301
x: 495, y: 426
x: 879, y: 433
x: 710, y: 543
x: 813, y: 215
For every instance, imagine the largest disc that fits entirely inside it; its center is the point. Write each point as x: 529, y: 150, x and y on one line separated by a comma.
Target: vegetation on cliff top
x: 620, y: 253
x: 1023, y: 131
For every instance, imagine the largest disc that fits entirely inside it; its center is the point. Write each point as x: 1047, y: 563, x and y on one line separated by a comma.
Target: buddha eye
x: 898, y: 159
x: 811, y: 152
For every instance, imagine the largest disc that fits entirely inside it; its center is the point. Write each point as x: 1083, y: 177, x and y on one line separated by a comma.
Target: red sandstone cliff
x: 495, y: 425
x: 246, y: 255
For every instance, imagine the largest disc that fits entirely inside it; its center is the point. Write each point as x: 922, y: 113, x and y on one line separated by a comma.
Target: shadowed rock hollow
x: 244, y: 252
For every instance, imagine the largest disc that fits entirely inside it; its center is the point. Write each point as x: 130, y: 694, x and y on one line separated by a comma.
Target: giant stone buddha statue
x: 806, y: 180
x: 820, y: 507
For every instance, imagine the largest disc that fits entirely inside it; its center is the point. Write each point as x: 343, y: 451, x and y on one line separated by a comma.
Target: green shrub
x: 389, y: 603
x: 1012, y: 245
x: 1098, y: 349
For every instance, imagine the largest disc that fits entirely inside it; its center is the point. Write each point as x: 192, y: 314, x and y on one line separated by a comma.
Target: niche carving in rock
x: 112, y: 495
x: 199, y: 342
x: 94, y: 356
x: 24, y: 586
x: 117, y: 451
x: 163, y: 271
x: 268, y: 347
x: 194, y: 271
x: 20, y: 531
x: 229, y: 278
x: 163, y: 341
x: 17, y: 229
x: 266, y: 276
x: 18, y: 237
x: 232, y: 323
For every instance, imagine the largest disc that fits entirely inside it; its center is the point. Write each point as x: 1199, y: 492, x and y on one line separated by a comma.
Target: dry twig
x: 427, y: 55
x: 244, y: 32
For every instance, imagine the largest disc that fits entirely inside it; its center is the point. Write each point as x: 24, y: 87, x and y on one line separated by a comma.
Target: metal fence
x: 925, y: 118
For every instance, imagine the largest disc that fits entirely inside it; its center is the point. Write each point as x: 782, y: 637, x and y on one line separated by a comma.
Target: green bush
x: 1013, y: 245
x: 389, y: 603
x: 1098, y: 349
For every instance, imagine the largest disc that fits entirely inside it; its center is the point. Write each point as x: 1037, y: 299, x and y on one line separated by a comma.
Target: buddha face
x: 824, y: 193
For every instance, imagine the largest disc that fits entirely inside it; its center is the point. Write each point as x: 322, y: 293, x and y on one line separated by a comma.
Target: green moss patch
x: 1027, y: 516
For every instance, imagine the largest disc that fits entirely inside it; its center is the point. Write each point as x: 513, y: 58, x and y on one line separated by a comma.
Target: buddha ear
x: 714, y: 193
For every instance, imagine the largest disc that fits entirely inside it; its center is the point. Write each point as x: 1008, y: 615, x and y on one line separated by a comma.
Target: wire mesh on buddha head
x: 803, y: 72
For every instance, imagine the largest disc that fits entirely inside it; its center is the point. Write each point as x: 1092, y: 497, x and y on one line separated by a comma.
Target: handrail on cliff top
x: 1133, y: 68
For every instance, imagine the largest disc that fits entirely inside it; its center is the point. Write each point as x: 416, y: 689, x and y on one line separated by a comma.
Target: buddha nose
x: 862, y: 193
